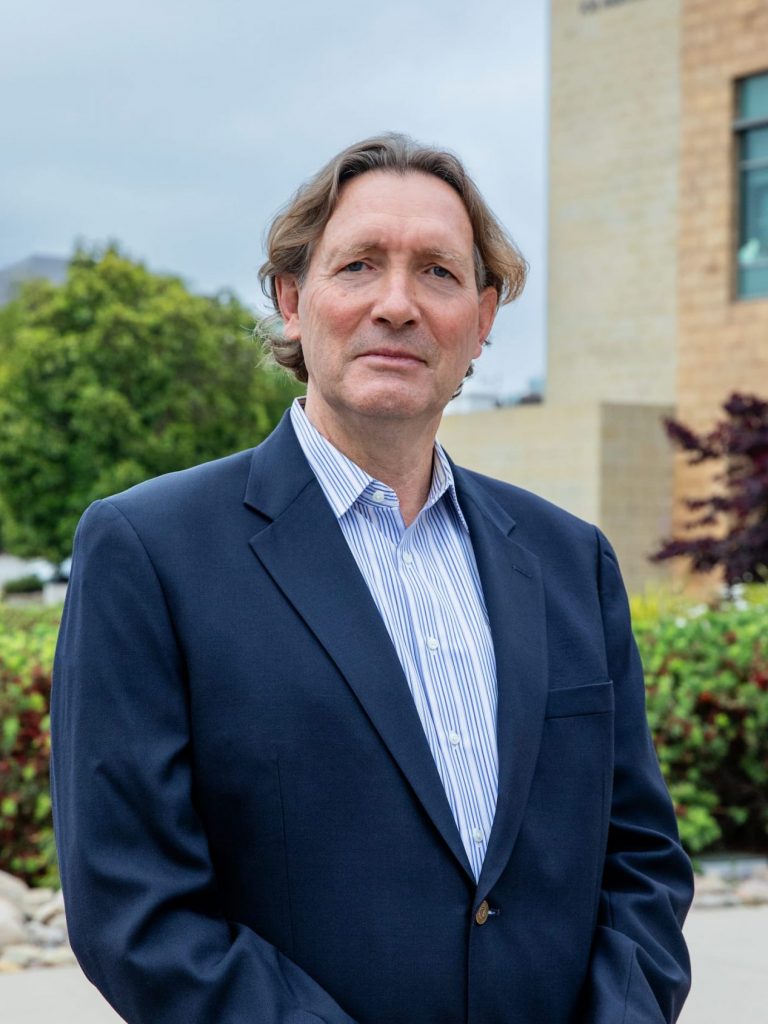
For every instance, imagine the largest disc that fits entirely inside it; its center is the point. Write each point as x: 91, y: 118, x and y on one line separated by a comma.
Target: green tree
x: 115, y: 376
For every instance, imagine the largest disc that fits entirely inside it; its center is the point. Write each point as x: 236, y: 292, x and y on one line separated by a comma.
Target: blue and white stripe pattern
x: 425, y: 583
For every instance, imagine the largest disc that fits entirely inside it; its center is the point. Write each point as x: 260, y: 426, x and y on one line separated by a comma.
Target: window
x: 752, y: 137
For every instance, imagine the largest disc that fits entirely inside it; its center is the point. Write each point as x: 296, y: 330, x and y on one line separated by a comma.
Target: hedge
x: 707, y: 695
x: 707, y: 691
x: 27, y: 641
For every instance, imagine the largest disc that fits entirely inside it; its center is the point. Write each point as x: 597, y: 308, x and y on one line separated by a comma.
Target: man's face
x: 389, y: 315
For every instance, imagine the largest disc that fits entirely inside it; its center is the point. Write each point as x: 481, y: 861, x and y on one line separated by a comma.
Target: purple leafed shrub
x: 737, y: 517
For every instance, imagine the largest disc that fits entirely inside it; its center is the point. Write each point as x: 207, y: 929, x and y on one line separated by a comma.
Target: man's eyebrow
x: 351, y: 252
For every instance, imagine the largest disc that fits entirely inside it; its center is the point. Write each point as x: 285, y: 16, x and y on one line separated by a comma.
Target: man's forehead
x: 382, y: 209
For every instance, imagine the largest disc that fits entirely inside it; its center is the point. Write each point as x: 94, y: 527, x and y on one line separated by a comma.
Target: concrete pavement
x: 729, y: 957
x: 729, y: 950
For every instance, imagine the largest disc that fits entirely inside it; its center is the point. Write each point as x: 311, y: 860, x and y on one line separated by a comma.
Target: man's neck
x: 398, y: 453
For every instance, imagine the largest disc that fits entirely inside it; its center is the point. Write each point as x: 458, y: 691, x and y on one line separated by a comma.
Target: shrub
x: 27, y: 640
x: 707, y: 692
x: 23, y: 585
x: 736, y: 513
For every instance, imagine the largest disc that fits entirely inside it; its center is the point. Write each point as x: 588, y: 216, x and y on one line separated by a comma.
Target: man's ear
x: 489, y: 299
x: 288, y: 302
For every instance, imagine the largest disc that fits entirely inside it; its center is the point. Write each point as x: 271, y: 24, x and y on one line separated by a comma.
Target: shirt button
x: 378, y: 496
x: 454, y: 738
x: 408, y: 558
x: 478, y: 835
x: 432, y: 643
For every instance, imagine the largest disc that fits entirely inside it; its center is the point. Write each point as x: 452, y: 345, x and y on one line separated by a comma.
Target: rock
x: 753, y: 892
x: 52, y: 908
x: 46, y: 934
x: 58, y: 957
x: 12, y: 889
x: 35, y: 898
x: 59, y: 922
x: 711, y: 884
x: 23, y: 954
x: 713, y: 891
x: 11, y: 923
x: 715, y: 899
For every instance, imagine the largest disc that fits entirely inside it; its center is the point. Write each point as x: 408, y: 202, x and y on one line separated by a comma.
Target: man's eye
x: 355, y: 266
x: 441, y: 272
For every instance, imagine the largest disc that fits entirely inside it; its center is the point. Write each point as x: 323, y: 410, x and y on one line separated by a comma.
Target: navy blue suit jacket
x: 251, y: 827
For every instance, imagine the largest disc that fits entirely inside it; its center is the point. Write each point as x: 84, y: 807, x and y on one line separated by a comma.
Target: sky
x: 179, y: 129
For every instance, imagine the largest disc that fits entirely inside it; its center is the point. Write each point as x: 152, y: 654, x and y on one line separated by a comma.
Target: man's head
x: 295, y: 232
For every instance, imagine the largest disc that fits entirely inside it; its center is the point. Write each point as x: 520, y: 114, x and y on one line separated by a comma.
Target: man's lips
x: 392, y: 355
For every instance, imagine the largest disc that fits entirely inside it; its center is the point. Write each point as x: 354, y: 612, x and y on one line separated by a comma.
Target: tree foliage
x: 115, y: 376
x: 737, y: 514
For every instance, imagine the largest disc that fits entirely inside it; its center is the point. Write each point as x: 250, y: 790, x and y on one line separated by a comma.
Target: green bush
x: 23, y: 585
x: 27, y: 640
x: 707, y: 691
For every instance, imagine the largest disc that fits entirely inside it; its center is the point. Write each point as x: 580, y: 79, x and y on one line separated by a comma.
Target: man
x: 343, y: 732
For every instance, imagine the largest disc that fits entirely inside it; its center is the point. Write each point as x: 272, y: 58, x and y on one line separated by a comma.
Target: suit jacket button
x: 481, y: 914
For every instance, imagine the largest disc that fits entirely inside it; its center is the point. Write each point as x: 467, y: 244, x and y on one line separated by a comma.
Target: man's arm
x: 140, y: 890
x: 640, y: 971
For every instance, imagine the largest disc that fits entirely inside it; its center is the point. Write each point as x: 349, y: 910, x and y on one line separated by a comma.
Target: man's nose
x: 395, y: 302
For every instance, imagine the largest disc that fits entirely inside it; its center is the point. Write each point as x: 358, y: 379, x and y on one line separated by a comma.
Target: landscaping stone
x: 58, y: 956
x: 33, y: 927
x: 52, y: 907
x: 13, y: 889
x: 24, y: 954
x: 11, y: 923
x: 34, y: 898
x: 753, y: 892
x: 46, y: 934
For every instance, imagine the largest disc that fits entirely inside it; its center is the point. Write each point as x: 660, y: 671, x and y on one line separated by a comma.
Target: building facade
x: 658, y: 261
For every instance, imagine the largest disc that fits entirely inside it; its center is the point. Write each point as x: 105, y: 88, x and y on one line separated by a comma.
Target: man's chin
x: 394, y: 401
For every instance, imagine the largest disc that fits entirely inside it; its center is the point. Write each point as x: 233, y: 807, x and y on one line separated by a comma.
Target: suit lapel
x: 304, y: 551
x: 514, y: 597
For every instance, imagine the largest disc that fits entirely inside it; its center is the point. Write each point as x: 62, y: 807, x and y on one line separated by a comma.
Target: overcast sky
x: 178, y: 129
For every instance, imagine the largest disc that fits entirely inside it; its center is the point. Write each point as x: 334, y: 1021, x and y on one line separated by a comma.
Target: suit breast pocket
x: 565, y: 826
x: 574, y: 701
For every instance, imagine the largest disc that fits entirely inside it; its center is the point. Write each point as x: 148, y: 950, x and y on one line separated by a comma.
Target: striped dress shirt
x: 424, y: 581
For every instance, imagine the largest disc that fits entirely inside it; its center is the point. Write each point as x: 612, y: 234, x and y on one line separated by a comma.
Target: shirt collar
x: 344, y: 482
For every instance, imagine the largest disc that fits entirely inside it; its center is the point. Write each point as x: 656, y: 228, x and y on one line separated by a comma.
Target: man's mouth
x: 392, y: 356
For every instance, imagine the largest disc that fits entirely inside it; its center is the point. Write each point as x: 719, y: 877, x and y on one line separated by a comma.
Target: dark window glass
x: 754, y: 97
x: 755, y: 144
x: 752, y: 132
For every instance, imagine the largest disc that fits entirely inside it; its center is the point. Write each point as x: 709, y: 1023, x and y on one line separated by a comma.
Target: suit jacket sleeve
x: 139, y: 886
x: 640, y: 972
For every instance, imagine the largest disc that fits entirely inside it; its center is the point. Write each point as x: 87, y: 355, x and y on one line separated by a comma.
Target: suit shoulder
x: 193, y: 488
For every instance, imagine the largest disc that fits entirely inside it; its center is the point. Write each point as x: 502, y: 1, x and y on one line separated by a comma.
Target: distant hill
x: 50, y: 268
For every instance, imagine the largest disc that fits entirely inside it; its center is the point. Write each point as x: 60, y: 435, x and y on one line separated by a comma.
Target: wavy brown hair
x: 295, y: 231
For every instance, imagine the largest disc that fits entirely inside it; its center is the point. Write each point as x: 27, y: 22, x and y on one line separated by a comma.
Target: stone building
x: 658, y: 260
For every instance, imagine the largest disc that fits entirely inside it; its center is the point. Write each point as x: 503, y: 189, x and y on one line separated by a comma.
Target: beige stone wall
x: 608, y: 464
x: 723, y: 341
x: 636, y: 474
x: 613, y: 201
x: 553, y: 451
